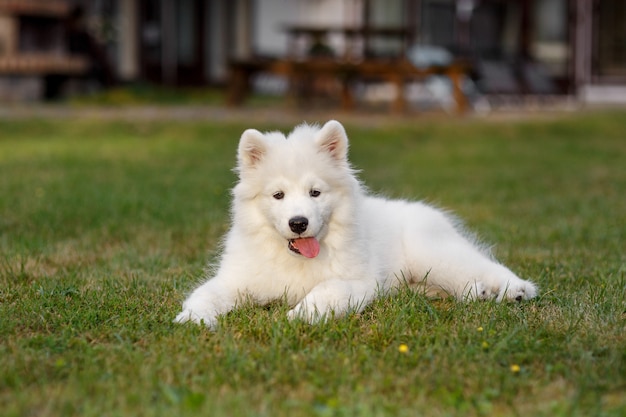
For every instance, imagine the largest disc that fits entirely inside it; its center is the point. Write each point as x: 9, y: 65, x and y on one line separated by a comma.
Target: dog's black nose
x: 298, y: 224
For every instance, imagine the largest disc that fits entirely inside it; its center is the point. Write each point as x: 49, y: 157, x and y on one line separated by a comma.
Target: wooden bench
x: 36, y: 76
x: 42, y: 64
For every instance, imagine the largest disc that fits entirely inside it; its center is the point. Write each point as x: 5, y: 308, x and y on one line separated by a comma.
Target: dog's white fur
x: 366, y: 244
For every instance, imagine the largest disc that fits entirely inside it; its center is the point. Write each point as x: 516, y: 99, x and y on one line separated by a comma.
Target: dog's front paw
x: 517, y: 290
x: 307, y: 313
x: 188, y: 315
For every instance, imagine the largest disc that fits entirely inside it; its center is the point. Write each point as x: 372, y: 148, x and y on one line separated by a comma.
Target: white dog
x: 304, y: 230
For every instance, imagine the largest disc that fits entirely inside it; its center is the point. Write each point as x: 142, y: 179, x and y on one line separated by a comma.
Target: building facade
x: 572, y: 47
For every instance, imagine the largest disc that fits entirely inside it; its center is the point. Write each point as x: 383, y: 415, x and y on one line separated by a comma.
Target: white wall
x: 215, y: 45
x: 128, y: 60
x: 603, y: 94
x: 271, y: 16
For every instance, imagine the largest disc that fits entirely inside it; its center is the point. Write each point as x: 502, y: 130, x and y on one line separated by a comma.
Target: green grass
x: 105, y: 226
x: 146, y: 94
x: 151, y: 95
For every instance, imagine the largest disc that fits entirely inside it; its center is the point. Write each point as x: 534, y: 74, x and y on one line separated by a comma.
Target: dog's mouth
x: 305, y: 246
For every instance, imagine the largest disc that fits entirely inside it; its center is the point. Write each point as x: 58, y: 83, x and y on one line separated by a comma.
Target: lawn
x: 106, y: 225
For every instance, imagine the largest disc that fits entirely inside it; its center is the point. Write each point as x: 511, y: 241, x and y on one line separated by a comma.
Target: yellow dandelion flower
x: 485, y: 345
x: 480, y: 329
x: 515, y: 368
x: 403, y: 348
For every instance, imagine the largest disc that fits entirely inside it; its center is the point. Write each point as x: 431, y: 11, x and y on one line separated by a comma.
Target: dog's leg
x: 333, y: 298
x: 439, y: 255
x: 468, y: 274
x: 207, y: 302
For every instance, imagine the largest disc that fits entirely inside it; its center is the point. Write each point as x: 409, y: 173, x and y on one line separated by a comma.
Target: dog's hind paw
x: 512, y: 290
x: 478, y: 291
x: 517, y: 290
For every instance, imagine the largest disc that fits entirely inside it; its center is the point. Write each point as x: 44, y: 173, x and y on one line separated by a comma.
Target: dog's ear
x: 332, y: 139
x: 252, y: 148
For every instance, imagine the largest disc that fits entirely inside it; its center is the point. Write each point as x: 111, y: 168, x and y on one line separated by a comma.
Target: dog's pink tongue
x: 308, y: 246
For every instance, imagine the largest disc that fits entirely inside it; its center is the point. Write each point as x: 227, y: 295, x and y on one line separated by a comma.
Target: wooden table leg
x: 459, y: 96
x: 293, y: 85
x: 399, y: 103
x: 347, y: 98
x: 238, y: 86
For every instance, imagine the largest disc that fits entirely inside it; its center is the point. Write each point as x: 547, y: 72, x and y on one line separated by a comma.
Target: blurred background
x: 494, y: 51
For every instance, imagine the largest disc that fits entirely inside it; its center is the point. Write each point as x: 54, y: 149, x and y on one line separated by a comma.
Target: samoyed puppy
x: 305, y: 230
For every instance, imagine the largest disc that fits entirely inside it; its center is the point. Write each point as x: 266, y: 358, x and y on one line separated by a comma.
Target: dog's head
x: 295, y: 183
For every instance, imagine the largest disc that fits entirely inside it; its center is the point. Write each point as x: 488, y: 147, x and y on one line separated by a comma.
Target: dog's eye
x: 315, y: 193
x: 278, y: 195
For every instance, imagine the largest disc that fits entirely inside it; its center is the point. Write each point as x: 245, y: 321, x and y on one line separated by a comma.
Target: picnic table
x: 347, y: 68
x: 299, y: 72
